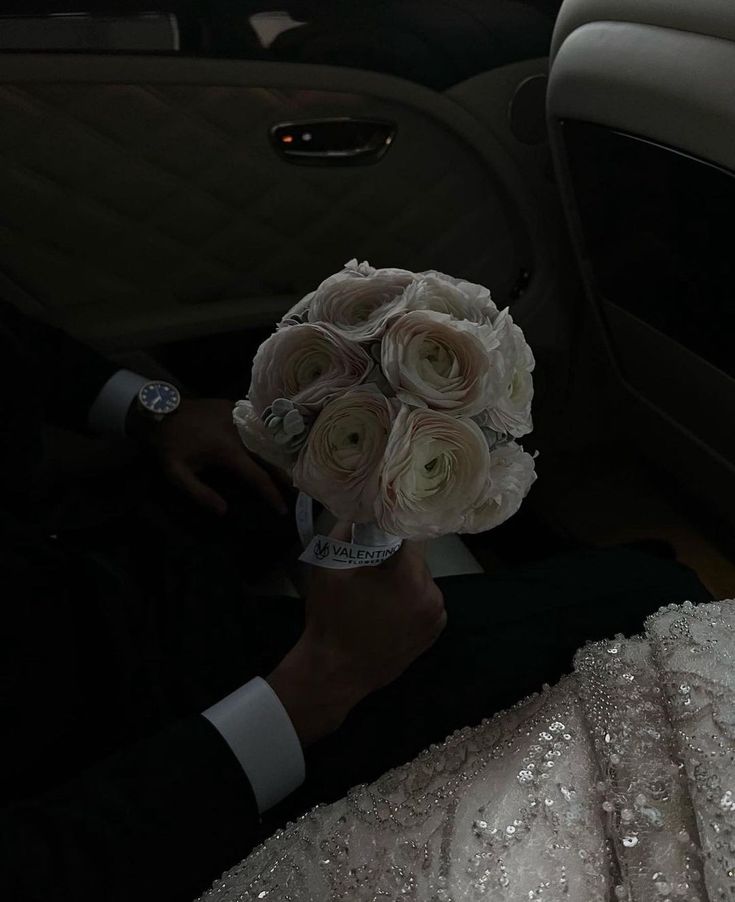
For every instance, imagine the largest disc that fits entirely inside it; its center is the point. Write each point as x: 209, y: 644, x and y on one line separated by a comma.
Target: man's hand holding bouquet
x: 395, y: 399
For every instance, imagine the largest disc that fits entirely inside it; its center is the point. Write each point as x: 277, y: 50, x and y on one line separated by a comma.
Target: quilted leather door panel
x: 143, y: 199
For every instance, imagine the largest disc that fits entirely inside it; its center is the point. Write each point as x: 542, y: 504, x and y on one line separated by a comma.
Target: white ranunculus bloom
x: 513, y: 360
x: 444, y: 294
x: 432, y: 360
x: 435, y: 470
x: 256, y: 437
x: 299, y: 313
x: 359, y: 301
x: 340, y: 463
x: 307, y: 364
x: 510, y: 476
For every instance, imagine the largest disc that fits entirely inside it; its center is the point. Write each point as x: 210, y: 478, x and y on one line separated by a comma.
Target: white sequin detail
x: 619, y: 783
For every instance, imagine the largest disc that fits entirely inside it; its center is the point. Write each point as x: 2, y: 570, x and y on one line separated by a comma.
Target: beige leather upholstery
x: 663, y: 70
x: 715, y: 18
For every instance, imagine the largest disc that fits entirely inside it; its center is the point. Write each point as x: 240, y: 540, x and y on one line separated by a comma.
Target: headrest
x: 715, y: 18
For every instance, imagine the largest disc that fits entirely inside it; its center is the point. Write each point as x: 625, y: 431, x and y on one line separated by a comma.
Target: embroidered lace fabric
x: 616, y: 784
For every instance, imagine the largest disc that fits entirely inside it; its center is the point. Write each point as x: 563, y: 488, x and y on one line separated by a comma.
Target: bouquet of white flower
x: 394, y: 399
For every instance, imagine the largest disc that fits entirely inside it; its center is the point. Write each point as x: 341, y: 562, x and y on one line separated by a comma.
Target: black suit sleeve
x: 107, y: 790
x: 159, y: 821
x: 68, y: 373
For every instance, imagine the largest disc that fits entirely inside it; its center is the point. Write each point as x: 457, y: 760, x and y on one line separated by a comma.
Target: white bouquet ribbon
x: 370, y: 545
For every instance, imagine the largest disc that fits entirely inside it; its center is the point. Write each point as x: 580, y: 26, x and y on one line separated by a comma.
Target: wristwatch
x: 158, y: 399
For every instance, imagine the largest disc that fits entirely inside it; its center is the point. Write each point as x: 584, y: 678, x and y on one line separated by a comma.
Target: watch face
x: 159, y: 397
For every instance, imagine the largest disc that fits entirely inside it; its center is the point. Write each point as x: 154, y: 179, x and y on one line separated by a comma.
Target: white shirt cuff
x: 256, y: 726
x: 109, y: 410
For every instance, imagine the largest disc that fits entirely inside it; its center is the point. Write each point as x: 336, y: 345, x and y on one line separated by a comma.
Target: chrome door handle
x: 333, y: 142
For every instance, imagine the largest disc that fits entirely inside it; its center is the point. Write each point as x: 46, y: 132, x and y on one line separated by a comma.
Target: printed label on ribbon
x: 336, y: 555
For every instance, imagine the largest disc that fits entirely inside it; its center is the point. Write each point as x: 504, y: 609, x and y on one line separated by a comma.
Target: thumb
x: 341, y: 531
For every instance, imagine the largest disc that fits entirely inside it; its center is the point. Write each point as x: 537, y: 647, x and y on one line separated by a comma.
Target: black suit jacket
x: 106, y: 791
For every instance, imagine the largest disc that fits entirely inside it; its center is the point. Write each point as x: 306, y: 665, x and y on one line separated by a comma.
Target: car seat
x: 641, y: 116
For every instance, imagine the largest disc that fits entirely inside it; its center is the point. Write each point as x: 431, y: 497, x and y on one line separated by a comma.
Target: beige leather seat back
x: 641, y: 112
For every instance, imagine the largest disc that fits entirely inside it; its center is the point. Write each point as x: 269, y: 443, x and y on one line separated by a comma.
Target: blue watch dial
x: 159, y: 397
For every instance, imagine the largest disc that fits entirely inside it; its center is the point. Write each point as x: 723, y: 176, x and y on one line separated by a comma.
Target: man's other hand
x: 199, y: 436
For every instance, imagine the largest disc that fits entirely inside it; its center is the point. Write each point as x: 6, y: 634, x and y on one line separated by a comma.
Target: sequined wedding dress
x: 616, y: 784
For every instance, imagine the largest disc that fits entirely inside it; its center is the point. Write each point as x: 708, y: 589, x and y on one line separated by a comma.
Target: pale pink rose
x: 256, y: 437
x: 306, y: 364
x: 444, y: 294
x: 434, y: 472
x: 513, y: 360
x: 340, y: 463
x: 359, y: 301
x: 432, y: 360
x: 509, y: 477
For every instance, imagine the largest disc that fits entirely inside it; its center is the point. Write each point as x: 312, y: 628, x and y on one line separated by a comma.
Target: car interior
x: 176, y: 175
